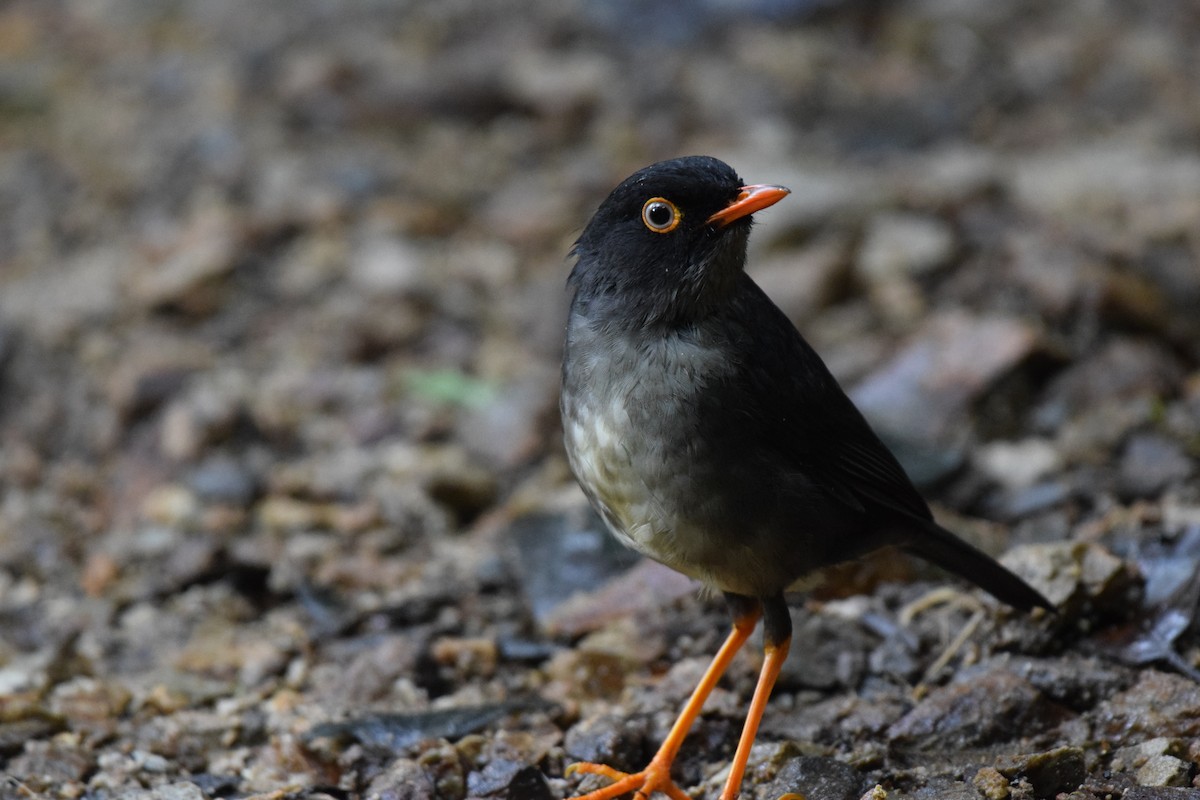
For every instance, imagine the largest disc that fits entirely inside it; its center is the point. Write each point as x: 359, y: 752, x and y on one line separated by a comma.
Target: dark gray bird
x: 711, y: 437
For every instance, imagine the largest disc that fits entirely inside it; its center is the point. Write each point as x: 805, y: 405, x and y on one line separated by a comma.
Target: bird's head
x: 669, y: 243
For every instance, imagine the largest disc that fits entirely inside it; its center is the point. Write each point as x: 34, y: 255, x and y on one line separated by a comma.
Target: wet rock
x: 990, y: 706
x: 818, y: 778
x: 1150, y: 464
x: 926, y: 390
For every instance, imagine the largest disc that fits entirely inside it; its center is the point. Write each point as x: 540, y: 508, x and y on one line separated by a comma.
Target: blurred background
x: 282, y: 288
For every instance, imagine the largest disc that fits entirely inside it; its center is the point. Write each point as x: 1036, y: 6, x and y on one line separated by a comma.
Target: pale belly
x: 644, y: 469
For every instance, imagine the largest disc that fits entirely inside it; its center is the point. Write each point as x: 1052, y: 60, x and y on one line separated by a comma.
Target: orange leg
x: 656, y: 777
x: 776, y: 654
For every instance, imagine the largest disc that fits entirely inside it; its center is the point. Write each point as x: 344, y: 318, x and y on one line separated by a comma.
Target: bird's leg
x: 656, y: 777
x: 777, y: 637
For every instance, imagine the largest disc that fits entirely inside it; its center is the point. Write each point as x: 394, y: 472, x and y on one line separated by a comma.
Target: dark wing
x: 815, y: 426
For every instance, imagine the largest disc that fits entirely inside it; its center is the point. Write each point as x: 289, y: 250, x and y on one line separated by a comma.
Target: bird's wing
x: 815, y: 426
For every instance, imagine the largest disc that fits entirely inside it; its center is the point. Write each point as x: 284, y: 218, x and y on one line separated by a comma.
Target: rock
x: 617, y: 742
x: 1160, y: 793
x: 1150, y: 464
x: 1164, y: 770
x: 982, y: 707
x: 1155, y: 762
x: 1017, y: 465
x: 185, y: 273
x: 805, y: 280
x: 644, y: 589
x: 899, y: 245
x: 384, y: 263
x: 818, y: 778
x: 834, y: 653
x: 151, y: 372
x: 585, y: 555
x: 1121, y: 183
x: 50, y: 766
x: 404, y: 779
x: 55, y: 303
x: 1049, y: 773
x: 926, y: 390
x: 1157, y: 706
x: 991, y: 783
x: 1072, y: 680
x: 509, y: 780
x: 1075, y: 575
x: 1091, y: 405
x: 184, y: 790
x: 223, y: 480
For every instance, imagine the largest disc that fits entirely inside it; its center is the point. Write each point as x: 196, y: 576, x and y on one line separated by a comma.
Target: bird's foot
x: 656, y: 777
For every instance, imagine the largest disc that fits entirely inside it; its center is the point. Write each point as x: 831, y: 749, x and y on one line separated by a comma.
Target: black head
x: 669, y: 242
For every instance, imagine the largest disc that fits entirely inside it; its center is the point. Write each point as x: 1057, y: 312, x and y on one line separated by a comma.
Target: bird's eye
x: 661, y: 215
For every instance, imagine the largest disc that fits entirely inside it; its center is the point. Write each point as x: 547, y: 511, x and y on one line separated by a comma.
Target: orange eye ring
x: 661, y: 215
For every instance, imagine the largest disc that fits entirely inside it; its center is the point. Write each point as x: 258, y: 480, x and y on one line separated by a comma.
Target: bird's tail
x: 938, y: 545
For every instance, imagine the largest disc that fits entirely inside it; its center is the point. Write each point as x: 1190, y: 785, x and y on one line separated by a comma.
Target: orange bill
x: 749, y: 199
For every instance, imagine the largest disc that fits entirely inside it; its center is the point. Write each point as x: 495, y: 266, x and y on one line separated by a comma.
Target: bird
x: 709, y: 435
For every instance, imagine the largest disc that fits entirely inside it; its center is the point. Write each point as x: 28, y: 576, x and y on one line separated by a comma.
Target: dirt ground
x: 283, y: 507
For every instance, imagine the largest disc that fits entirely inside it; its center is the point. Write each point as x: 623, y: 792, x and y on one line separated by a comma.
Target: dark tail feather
x: 938, y: 545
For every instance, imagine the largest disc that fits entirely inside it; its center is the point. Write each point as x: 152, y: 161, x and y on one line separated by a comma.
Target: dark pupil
x: 660, y: 215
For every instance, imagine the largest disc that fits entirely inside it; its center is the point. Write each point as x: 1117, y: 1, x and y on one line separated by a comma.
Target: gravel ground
x: 283, y: 507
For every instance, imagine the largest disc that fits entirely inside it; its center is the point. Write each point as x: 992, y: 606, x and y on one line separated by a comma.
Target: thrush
x: 711, y: 437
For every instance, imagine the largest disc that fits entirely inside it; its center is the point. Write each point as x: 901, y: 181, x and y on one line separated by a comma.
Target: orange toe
x: 654, y: 778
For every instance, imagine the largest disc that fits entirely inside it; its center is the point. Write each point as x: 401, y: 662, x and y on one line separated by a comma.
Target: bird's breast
x: 630, y: 430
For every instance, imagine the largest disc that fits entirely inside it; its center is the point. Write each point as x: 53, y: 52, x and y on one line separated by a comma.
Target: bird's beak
x: 749, y: 200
